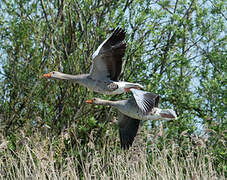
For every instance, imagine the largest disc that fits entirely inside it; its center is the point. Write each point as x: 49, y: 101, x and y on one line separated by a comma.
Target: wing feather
x: 146, y: 101
x: 128, y: 128
x: 107, y: 59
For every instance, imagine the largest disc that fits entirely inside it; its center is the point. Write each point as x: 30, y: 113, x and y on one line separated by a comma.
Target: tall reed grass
x: 42, y: 157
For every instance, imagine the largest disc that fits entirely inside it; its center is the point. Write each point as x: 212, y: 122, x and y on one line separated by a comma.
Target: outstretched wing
x: 128, y: 128
x: 107, y: 59
x: 146, y: 101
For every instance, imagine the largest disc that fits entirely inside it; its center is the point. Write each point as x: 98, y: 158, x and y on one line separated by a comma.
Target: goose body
x: 130, y: 108
x: 131, y: 114
x: 106, y: 68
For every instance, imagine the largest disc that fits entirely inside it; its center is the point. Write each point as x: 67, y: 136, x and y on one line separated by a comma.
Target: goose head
x: 54, y: 75
x: 97, y: 101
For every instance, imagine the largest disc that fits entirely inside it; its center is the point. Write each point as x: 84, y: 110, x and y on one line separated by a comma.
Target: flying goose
x: 106, y: 68
x: 130, y: 114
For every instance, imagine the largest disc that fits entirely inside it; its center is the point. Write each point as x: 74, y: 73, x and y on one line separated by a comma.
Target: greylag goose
x: 106, y: 68
x: 130, y: 114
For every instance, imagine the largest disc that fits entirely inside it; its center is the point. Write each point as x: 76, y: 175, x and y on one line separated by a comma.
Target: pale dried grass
x: 37, y: 158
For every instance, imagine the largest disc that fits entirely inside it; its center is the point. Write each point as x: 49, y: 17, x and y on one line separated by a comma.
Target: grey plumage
x: 106, y: 67
x: 128, y: 128
x: 107, y: 59
x: 130, y: 114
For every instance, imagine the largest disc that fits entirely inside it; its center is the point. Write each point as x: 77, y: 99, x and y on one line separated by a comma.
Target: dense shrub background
x: 175, y: 48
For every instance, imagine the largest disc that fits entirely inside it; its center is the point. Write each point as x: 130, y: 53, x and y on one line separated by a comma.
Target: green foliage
x: 175, y: 48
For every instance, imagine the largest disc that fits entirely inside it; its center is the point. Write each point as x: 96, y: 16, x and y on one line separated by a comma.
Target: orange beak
x: 47, y: 75
x: 89, y: 101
